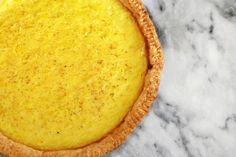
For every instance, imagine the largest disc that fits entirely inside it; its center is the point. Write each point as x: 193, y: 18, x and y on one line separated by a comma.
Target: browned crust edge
x: 134, y: 116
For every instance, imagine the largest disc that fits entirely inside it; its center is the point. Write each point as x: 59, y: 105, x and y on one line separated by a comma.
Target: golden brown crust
x: 134, y: 116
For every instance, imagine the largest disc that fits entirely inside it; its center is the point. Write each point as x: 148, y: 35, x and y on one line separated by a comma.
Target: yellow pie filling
x: 69, y: 70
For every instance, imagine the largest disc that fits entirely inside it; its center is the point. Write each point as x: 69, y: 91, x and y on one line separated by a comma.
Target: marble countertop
x: 195, y: 113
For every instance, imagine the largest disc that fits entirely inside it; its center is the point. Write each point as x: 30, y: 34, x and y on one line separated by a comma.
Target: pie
x: 76, y: 76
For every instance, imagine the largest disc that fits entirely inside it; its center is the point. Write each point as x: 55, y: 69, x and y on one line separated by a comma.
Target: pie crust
x: 116, y: 137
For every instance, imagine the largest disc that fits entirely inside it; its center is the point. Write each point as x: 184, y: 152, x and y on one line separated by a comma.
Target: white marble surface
x: 195, y: 114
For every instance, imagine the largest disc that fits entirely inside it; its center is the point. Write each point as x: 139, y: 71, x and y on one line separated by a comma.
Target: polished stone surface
x: 195, y: 113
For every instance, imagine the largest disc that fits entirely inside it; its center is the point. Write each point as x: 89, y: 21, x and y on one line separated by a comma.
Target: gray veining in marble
x: 195, y: 113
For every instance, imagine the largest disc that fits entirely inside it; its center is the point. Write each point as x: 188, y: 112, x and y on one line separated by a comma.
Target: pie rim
x: 140, y: 108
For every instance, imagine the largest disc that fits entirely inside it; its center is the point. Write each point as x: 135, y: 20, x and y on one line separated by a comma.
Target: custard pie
x: 76, y: 76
